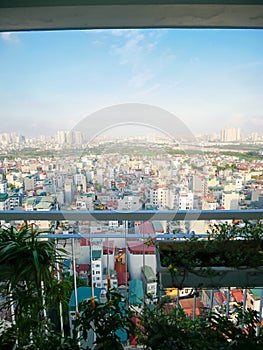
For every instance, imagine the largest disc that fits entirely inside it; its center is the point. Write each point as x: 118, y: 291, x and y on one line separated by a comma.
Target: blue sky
x: 210, y: 79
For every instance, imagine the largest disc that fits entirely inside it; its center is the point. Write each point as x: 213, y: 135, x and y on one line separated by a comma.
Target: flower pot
x: 182, y: 264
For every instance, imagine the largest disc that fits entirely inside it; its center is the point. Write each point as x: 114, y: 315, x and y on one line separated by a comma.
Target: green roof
x: 3, y: 197
x: 43, y: 205
x: 157, y: 225
x: 149, y: 274
x: 96, y: 254
x: 256, y: 292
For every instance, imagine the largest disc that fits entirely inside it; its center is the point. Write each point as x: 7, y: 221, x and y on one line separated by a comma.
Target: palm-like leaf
x: 27, y: 264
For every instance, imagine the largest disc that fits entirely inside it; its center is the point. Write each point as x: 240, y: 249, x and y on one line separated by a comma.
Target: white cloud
x: 133, y: 44
x: 138, y: 80
x: 9, y: 37
x: 123, y: 32
x: 97, y: 42
x: 6, y: 36
x: 148, y: 92
x: 130, y: 50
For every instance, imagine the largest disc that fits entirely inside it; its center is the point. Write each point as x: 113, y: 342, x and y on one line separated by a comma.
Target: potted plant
x: 27, y: 278
x: 231, y: 256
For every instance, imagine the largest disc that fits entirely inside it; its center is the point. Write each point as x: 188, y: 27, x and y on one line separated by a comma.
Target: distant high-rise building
x: 78, y: 137
x: 61, y: 137
x: 70, y: 137
x: 230, y: 135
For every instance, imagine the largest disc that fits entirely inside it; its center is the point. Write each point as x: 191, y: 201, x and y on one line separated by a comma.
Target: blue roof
x: 83, y: 293
x: 86, y: 293
x: 191, y: 235
x: 135, y: 292
x: 67, y: 262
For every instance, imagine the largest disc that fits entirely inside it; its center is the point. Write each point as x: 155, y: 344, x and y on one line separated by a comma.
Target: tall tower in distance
x: 230, y: 135
x: 61, y: 137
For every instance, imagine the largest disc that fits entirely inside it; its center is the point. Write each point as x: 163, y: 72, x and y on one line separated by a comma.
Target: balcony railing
x: 147, y: 215
x: 140, y: 215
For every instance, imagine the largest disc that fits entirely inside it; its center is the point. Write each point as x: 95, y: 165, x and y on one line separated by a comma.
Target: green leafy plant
x: 165, y: 326
x: 105, y: 319
x: 28, y: 264
x: 228, y: 245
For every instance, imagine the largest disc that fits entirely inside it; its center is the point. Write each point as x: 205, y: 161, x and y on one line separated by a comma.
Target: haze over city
x: 208, y: 79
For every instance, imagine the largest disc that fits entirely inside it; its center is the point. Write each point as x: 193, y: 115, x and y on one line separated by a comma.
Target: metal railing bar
x: 260, y: 312
x: 194, y: 305
x: 228, y: 302
x: 111, y: 235
x: 211, y: 299
x: 141, y: 215
x: 244, y: 306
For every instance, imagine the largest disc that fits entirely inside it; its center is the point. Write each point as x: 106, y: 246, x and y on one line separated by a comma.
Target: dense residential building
x: 149, y: 281
x: 3, y: 186
x: 30, y: 183
x: 230, y: 200
x: 185, y: 200
x: 121, y: 182
x: 159, y: 196
x: 4, y: 201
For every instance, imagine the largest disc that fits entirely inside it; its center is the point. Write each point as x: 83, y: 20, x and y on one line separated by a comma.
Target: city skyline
x: 141, y: 132
x: 55, y: 80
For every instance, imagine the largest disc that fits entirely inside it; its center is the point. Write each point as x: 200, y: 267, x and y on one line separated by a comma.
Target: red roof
x: 221, y: 207
x: 84, y: 242
x: 108, y: 247
x: 188, y: 304
x: 238, y: 295
x: 220, y: 297
x: 146, y: 228
x: 82, y: 267
x: 136, y: 247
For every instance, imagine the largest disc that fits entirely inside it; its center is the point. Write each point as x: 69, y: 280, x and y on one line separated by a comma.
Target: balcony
x: 219, y: 298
